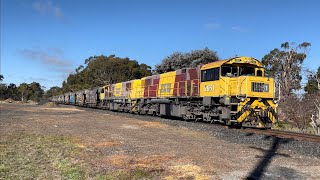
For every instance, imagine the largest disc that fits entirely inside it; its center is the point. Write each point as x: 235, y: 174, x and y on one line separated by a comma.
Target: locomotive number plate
x: 208, y: 88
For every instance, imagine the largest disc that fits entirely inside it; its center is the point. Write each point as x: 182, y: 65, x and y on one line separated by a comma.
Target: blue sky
x: 44, y: 40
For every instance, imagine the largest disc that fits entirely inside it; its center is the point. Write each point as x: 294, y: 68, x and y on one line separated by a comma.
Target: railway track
x: 270, y: 132
x: 286, y: 134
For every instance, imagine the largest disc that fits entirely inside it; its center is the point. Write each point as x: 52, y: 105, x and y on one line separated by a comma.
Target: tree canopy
x: 33, y: 91
x: 53, y: 91
x: 179, y: 60
x: 313, y: 84
x: 285, y: 65
x: 102, y: 70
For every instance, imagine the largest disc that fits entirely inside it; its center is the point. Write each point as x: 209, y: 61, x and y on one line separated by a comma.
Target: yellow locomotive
x: 241, y: 84
x: 233, y: 91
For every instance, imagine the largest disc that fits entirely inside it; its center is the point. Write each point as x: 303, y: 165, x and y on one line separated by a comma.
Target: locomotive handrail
x: 246, y: 87
x: 128, y: 90
x: 179, y: 89
x: 147, y: 88
x: 225, y: 83
x: 196, y: 85
x: 186, y: 88
x: 191, y: 90
x: 238, y: 88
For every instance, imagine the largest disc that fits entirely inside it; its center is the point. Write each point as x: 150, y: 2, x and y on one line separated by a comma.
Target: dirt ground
x: 77, y: 143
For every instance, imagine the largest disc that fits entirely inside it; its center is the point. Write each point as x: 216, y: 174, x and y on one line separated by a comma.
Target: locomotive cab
x: 241, y: 89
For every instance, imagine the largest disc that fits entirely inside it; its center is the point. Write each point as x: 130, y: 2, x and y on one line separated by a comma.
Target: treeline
x: 24, y: 92
x: 101, y: 70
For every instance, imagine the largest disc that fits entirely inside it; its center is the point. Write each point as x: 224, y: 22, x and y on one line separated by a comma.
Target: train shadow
x: 266, y: 159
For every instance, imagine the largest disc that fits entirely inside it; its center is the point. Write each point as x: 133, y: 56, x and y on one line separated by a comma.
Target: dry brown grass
x: 187, y: 171
x: 154, y: 125
x: 128, y: 126
x: 79, y: 145
x: 188, y: 132
x: 153, y: 161
x: 118, y: 160
x: 109, y: 143
x: 62, y: 109
x: 132, y: 162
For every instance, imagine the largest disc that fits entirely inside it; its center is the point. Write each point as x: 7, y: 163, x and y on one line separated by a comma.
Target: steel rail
x: 286, y: 134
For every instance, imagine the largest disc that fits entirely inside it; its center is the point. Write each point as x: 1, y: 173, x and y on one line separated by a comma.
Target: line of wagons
x: 123, y: 96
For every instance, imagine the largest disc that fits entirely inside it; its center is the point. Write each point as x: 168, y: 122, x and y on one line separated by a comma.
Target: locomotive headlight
x: 242, y: 99
x: 275, y: 101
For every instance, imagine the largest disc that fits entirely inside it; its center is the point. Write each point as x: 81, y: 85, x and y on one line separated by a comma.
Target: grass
x: 25, y: 156
x: 280, y: 125
x: 288, y: 126
x: 128, y: 175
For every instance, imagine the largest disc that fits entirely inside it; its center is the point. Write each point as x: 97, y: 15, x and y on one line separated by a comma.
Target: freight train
x: 235, y: 92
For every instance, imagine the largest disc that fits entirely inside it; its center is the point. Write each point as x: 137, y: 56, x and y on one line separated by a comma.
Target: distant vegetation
x: 285, y: 65
x: 101, y: 70
x: 179, y: 60
x: 33, y: 91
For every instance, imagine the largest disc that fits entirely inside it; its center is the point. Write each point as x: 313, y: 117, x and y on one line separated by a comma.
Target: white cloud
x: 212, y: 26
x: 238, y: 28
x: 51, y: 56
x: 46, y: 7
x: 39, y: 79
x: 54, y: 61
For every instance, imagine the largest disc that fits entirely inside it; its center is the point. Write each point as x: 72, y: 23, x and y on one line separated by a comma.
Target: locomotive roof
x: 236, y: 60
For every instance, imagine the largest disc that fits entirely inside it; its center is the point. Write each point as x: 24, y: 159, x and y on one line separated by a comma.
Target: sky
x: 45, y: 40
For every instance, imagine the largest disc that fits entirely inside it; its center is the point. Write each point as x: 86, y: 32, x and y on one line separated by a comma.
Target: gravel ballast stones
x: 265, y: 142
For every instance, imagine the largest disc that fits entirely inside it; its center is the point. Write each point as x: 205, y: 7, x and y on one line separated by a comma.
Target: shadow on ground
x: 266, y: 159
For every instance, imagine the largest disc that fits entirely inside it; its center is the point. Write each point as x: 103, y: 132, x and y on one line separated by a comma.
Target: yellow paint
x: 236, y: 86
x: 243, y: 116
x: 237, y: 60
x: 117, y: 90
x: 137, y: 89
x: 257, y: 104
x: 275, y: 107
x: 143, y: 85
x: 143, y: 80
x: 166, y: 84
x: 245, y: 60
x: 210, y: 88
x: 103, y: 92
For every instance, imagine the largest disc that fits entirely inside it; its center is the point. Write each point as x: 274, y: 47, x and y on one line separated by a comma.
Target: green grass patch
x: 288, y: 126
x: 280, y: 125
x: 25, y: 156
